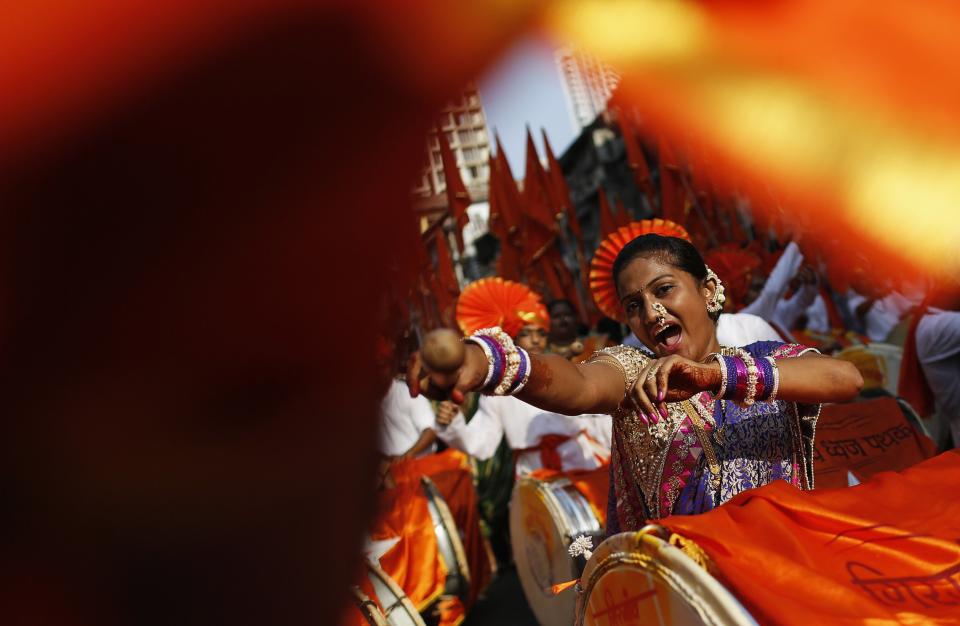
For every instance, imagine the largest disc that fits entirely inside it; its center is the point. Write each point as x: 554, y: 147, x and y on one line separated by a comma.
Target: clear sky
x: 524, y: 87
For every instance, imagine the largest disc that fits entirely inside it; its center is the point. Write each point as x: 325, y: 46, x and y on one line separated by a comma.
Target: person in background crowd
x: 789, y: 311
x: 930, y: 370
x: 877, y: 308
x: 938, y: 348
x: 406, y: 429
x: 763, y: 296
x: 565, y: 338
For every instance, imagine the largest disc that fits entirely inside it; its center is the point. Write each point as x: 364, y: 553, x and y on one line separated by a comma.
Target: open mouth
x: 669, y: 338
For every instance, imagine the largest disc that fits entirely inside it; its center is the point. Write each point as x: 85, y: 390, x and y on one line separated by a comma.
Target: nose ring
x: 661, y: 313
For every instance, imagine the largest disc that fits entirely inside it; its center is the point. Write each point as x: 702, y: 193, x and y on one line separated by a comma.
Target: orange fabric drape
x: 594, y: 485
x: 865, y: 438
x: 884, y: 552
x: 450, y: 472
x: 451, y: 612
x: 414, y: 562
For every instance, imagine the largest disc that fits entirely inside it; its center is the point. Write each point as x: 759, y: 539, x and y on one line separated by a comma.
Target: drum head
x: 638, y: 578
x: 545, y: 517
x: 448, y: 542
x: 396, y: 606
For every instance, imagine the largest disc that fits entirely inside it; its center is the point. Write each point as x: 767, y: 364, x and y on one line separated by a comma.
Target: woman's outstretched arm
x: 811, y: 378
x: 555, y: 384
x: 818, y: 378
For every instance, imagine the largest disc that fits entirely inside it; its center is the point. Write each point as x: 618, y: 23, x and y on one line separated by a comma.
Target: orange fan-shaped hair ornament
x: 498, y: 302
x: 734, y: 266
x: 601, y: 267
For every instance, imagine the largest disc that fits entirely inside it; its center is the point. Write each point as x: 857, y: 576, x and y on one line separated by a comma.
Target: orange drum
x: 546, y: 515
x: 638, y: 578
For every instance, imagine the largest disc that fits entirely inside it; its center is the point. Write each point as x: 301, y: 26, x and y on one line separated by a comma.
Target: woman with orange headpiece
x: 540, y: 439
x: 696, y: 422
x: 733, y: 329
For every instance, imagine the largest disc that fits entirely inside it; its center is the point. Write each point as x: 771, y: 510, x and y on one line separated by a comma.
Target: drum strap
x: 705, y: 443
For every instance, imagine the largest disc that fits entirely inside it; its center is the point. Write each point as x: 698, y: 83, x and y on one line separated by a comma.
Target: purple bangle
x: 521, y: 372
x: 741, y: 386
x: 764, y: 379
x: 730, y: 367
x: 731, y: 377
x: 761, y: 381
x: 499, y: 360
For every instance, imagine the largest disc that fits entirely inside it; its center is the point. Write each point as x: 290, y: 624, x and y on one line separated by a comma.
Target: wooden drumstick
x: 442, y: 351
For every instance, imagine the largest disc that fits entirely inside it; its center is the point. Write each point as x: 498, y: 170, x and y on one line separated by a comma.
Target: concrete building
x: 587, y: 83
x: 597, y: 158
x: 465, y: 126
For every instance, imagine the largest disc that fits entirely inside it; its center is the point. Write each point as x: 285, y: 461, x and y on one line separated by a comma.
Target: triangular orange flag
x: 672, y: 192
x: 508, y: 263
x: 512, y: 205
x: 608, y: 223
x: 561, y: 190
x: 457, y: 197
x: 447, y: 288
x: 537, y: 199
x: 622, y: 217
x: 635, y: 157
x: 539, y: 225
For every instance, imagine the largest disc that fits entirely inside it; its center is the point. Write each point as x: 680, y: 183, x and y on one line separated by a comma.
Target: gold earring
x: 715, y: 304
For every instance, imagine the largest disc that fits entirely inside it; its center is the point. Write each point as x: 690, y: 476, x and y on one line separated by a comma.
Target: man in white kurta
x: 581, y: 442
x: 776, y: 285
x: 404, y: 422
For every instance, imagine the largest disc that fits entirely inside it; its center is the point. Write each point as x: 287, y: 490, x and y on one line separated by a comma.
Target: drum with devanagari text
x: 546, y: 515
x: 642, y: 578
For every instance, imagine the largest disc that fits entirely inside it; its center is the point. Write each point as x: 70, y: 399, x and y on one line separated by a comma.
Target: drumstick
x: 442, y: 351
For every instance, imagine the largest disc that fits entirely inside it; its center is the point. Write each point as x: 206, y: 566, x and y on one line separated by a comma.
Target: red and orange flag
x: 457, y: 197
x: 608, y: 223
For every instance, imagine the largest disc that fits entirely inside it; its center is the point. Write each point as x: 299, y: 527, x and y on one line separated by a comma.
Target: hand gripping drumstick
x: 443, y: 353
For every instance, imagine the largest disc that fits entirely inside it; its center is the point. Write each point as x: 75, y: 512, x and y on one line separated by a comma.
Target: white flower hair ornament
x: 581, y: 545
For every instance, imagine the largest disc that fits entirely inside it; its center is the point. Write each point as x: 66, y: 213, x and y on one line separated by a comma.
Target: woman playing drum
x: 695, y: 423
